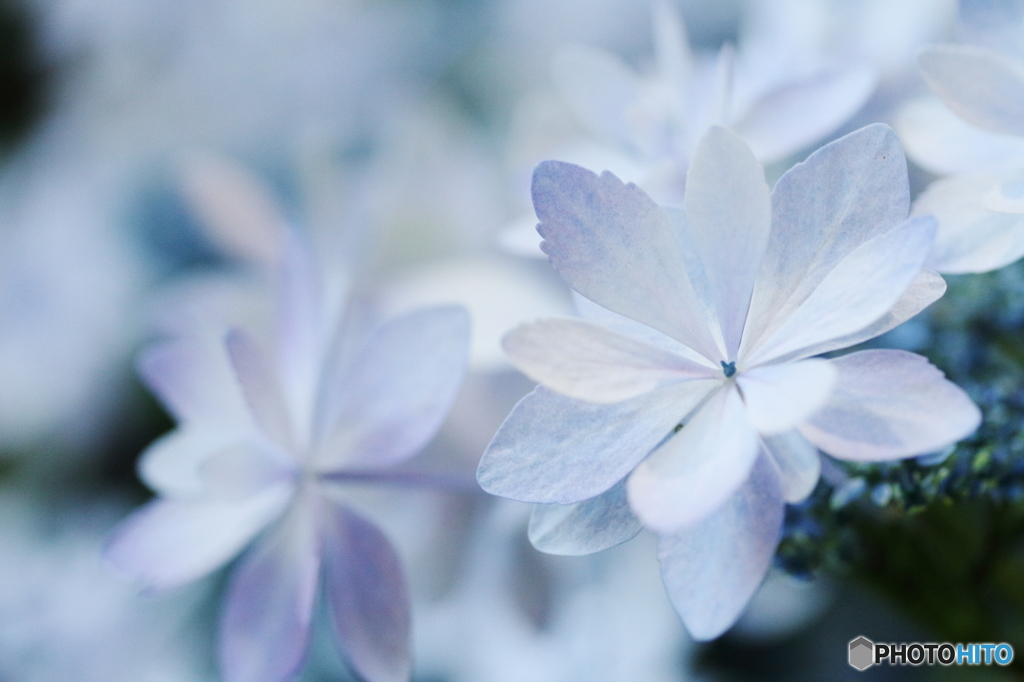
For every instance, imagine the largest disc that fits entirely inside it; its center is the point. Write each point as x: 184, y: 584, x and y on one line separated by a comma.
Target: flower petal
x: 778, y: 397
x: 972, y: 237
x: 171, y: 465
x: 584, y: 527
x: 255, y: 374
x: 889, y: 404
x: 943, y: 143
x: 586, y: 361
x: 712, y: 568
x: 927, y: 288
x: 861, y: 289
x: 400, y: 389
x: 979, y: 85
x: 194, y: 379
x: 728, y: 210
x: 614, y: 245
x: 264, y: 627
x: 169, y: 543
x: 798, y: 462
x: 557, y: 449
x: 367, y: 596
x: 697, y: 469
x: 844, y: 194
x: 790, y: 118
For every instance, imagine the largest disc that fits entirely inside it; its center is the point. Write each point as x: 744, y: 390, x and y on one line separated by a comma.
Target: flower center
x: 728, y: 368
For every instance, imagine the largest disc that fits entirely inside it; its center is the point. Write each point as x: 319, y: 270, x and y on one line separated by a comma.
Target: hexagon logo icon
x: 862, y: 653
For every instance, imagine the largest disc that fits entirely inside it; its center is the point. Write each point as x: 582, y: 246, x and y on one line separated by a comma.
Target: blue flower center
x: 729, y: 369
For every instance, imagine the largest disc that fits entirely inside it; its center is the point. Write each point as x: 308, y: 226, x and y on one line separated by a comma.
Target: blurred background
x: 400, y: 136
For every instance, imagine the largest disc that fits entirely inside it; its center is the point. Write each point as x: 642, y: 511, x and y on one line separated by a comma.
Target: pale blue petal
x: 400, y: 389
x: 367, y: 597
x: 557, y: 449
x: 790, y: 118
x: 169, y: 543
x: 614, y: 245
x: 844, y: 194
x: 859, y: 291
x: 889, y: 404
x: 697, y: 469
x: 264, y: 627
x: 729, y: 214
x: 584, y: 527
x: 778, y: 397
x: 586, y: 361
x: 978, y: 84
x: 712, y: 568
x: 599, y: 87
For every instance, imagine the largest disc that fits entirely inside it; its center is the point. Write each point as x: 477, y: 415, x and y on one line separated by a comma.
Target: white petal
x: 170, y: 543
x: 614, y: 245
x: 672, y: 47
x: 557, y: 449
x: 844, y: 194
x: 599, y: 87
x: 927, y: 288
x: 862, y: 288
x: 979, y: 85
x: 798, y: 462
x: 697, y: 469
x: 586, y: 361
x: 171, y: 464
x: 971, y: 237
x: 728, y: 210
x: 584, y: 527
x: 889, y: 404
x: 712, y: 568
x: 943, y: 143
x: 793, y: 117
x: 778, y: 397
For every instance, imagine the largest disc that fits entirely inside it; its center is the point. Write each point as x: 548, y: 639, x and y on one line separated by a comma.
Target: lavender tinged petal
x: 170, y: 543
x: 264, y: 627
x: 798, y: 462
x: 584, y: 527
x: 557, y: 449
x: 844, y: 194
x: 791, y: 118
x: 586, y: 361
x: 614, y: 245
x: 889, y: 404
x: 171, y: 465
x: 981, y: 86
x: 729, y: 213
x: 599, y: 87
x: 260, y: 386
x: 697, y: 469
x: 712, y: 568
x: 858, y: 292
x: 194, y: 379
x: 367, y: 596
x: 400, y: 390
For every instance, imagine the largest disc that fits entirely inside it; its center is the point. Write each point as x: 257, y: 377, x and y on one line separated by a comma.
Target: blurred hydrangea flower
x: 646, y: 128
x: 268, y: 429
x: 690, y: 395
x: 980, y: 207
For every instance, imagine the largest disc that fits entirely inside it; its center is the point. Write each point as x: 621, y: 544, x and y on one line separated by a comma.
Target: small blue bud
x: 729, y: 368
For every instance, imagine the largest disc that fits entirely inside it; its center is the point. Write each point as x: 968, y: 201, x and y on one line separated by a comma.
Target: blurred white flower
x: 980, y: 145
x: 270, y: 428
x: 691, y: 392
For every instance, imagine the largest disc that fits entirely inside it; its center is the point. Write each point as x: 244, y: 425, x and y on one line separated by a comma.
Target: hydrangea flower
x: 689, y: 395
x: 269, y: 430
x: 980, y: 146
